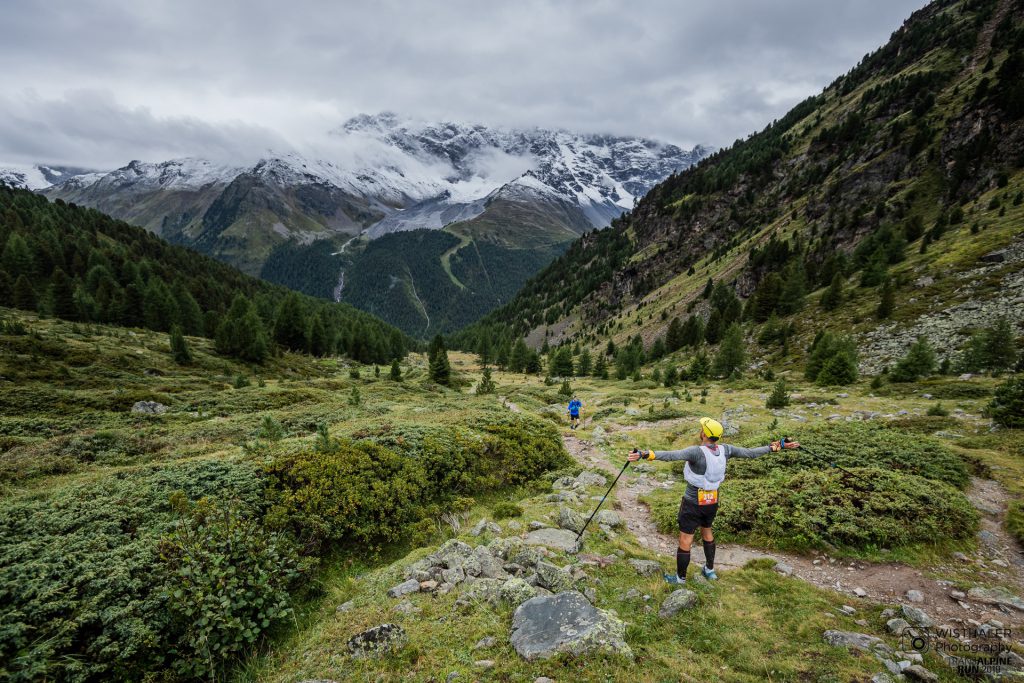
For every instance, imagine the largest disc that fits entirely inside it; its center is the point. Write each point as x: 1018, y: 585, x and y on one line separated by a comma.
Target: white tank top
x: 714, y: 472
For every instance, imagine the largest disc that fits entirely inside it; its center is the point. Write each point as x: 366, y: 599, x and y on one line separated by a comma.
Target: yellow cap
x: 712, y: 428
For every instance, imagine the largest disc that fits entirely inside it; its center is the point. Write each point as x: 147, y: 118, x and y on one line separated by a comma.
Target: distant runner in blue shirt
x: 574, y: 412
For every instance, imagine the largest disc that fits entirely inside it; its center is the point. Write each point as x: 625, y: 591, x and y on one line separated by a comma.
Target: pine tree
x: 700, y: 366
x: 561, y: 363
x: 839, y: 369
x: 585, y: 363
x: 794, y: 289
x: 6, y: 289
x: 484, y: 350
x: 179, y: 347
x: 520, y: 356
x: 396, y: 371
x: 671, y: 377
x: 1000, y: 346
x: 919, y: 362
x: 24, y: 295
x: 601, y: 367
x: 504, y: 355
x: 674, y: 336
x: 440, y: 368
x: 887, y: 300
x: 160, y: 311
x: 833, y: 296
x: 875, y: 271
x: 533, y: 364
x: 241, y: 333
x: 565, y: 389
x: 779, y: 398
x: 190, y: 315
x: 766, y: 297
x: 290, y: 323
x: 731, y: 354
x: 319, y: 344
x: 486, y: 385
x: 16, y: 257
x: 62, y: 296
x: 713, y: 329
x: 708, y: 288
x: 693, y: 331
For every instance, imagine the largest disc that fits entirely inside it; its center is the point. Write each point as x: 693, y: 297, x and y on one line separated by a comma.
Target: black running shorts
x: 692, y: 516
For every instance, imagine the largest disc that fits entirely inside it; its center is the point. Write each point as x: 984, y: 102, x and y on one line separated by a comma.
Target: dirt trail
x: 886, y: 583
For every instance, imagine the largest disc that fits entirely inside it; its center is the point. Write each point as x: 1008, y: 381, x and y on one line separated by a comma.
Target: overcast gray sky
x: 100, y: 82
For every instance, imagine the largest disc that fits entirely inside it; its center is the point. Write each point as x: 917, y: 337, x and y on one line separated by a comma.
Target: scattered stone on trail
x: 996, y: 596
x: 543, y: 679
x: 783, y: 568
x: 915, y: 596
x: 646, y: 567
x: 565, y: 623
x: 345, y: 606
x: 378, y: 640
x: 517, y: 591
x: 428, y: 586
x: 888, y: 613
x: 553, y: 578
x: 513, y: 525
x: 676, y: 602
x: 534, y: 526
x: 557, y: 539
x: 609, y: 518
x: 961, y: 557
x: 484, y: 643
x: 570, y: 519
x: 631, y: 594
x: 860, y: 592
x: 149, y: 408
x: 896, y: 625
x: 917, y: 672
x: 917, y: 616
x: 484, y: 664
x: 848, y: 610
x: 404, y: 588
x: 958, y: 595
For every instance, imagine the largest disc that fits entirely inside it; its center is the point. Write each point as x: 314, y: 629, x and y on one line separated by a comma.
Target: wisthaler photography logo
x: 969, y: 651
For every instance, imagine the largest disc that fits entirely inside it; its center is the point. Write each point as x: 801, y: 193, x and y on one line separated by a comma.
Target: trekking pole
x: 832, y: 464
x: 580, y: 534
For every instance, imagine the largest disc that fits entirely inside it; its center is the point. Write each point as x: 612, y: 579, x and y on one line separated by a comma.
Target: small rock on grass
x: 404, y: 588
x: 917, y: 616
x: 916, y: 672
x: 915, y: 596
x: 679, y: 600
x: 484, y: 663
x: 543, y: 679
x: 646, y: 567
x: 487, y: 642
x: 346, y: 606
x: 377, y: 640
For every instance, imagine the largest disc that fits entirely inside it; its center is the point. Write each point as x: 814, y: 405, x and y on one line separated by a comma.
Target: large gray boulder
x: 609, y: 518
x: 378, y: 640
x: 556, y: 539
x: 567, y: 622
x: 570, y: 519
x: 675, y: 603
x: 490, y: 566
x: 404, y: 588
x: 590, y: 479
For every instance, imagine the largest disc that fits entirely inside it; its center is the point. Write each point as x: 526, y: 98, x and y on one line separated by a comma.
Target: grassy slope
x: 751, y: 626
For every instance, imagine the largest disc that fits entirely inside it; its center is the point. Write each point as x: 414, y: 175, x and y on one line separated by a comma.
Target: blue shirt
x: 574, y: 407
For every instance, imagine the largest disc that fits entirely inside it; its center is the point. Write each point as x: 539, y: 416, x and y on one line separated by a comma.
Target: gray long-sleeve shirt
x: 695, y: 456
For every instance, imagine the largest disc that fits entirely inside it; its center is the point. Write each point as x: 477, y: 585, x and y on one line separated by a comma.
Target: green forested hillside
x: 901, y: 172
x: 81, y: 265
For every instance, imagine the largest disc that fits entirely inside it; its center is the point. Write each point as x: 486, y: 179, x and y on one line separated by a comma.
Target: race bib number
x: 707, y: 497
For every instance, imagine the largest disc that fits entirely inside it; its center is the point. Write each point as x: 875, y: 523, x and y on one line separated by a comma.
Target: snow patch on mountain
x: 24, y: 177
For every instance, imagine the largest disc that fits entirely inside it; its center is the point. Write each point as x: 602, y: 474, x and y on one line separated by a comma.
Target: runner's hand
x: 792, y: 444
x: 633, y: 456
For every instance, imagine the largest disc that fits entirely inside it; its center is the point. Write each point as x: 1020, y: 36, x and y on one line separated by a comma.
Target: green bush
x: 922, y: 424
x: 828, y: 508
x: 80, y: 576
x: 919, y: 362
x: 505, y: 509
x: 227, y: 581
x: 1007, y: 406
x: 372, y: 492
x: 851, y: 444
x: 937, y: 410
x: 1015, y: 520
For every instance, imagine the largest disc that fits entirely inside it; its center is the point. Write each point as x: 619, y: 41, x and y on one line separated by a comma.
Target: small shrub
x: 354, y: 397
x: 937, y: 410
x: 270, y: 429
x: 241, y: 382
x: 227, y: 582
x: 779, y: 398
x: 1015, y: 520
x: 353, y: 373
x: 505, y: 509
x: 919, y: 362
x: 565, y: 389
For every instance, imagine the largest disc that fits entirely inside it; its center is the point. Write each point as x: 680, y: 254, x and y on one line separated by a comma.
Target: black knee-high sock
x: 682, y: 562
x: 709, y: 554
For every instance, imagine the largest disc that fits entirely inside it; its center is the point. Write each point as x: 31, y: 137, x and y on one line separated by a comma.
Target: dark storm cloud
x: 98, y: 82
